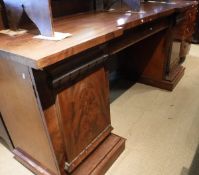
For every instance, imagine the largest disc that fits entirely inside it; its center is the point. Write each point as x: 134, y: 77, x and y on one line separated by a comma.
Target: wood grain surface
x: 84, y: 112
x: 77, y: 116
x: 93, y: 29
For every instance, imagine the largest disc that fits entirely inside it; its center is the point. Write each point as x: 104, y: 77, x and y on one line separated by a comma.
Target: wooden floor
x: 161, y: 127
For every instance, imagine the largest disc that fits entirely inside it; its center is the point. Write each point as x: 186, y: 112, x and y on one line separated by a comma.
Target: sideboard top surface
x: 88, y: 30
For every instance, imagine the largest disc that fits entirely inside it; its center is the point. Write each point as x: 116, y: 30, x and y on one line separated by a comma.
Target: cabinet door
x: 84, y: 114
x: 182, y: 33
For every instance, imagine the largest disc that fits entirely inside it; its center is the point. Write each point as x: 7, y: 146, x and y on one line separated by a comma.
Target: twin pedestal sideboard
x: 55, y: 94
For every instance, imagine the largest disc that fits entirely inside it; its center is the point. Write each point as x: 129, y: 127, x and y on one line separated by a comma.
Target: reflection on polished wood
x: 92, y: 30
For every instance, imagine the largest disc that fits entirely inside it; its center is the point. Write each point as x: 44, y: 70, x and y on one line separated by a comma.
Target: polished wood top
x: 87, y: 29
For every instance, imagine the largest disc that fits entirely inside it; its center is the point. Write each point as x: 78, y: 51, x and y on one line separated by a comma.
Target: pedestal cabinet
x: 79, y: 98
x: 181, y: 33
x: 59, y: 117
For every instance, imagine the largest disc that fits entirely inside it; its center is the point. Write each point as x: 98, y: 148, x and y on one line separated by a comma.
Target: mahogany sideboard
x: 55, y: 94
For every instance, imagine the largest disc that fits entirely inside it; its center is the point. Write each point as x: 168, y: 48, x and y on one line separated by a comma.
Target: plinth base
x: 97, y: 163
x: 103, y: 157
x: 168, y: 84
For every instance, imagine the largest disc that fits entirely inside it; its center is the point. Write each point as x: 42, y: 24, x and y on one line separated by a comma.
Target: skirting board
x: 164, y: 84
x: 97, y: 163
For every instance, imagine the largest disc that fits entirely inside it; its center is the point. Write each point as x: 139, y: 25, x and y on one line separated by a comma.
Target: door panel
x: 84, y: 114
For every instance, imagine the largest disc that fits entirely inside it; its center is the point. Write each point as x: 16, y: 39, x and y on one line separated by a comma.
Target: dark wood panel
x: 21, y: 113
x: 1, y: 18
x: 185, y: 28
x: 84, y: 114
x: 77, y: 115
x: 181, y: 36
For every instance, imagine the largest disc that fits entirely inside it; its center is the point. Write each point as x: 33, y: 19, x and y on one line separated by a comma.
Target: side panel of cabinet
x: 21, y: 114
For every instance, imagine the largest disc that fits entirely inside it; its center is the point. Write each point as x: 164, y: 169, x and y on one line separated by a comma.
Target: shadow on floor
x: 118, y: 85
x: 194, y: 169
